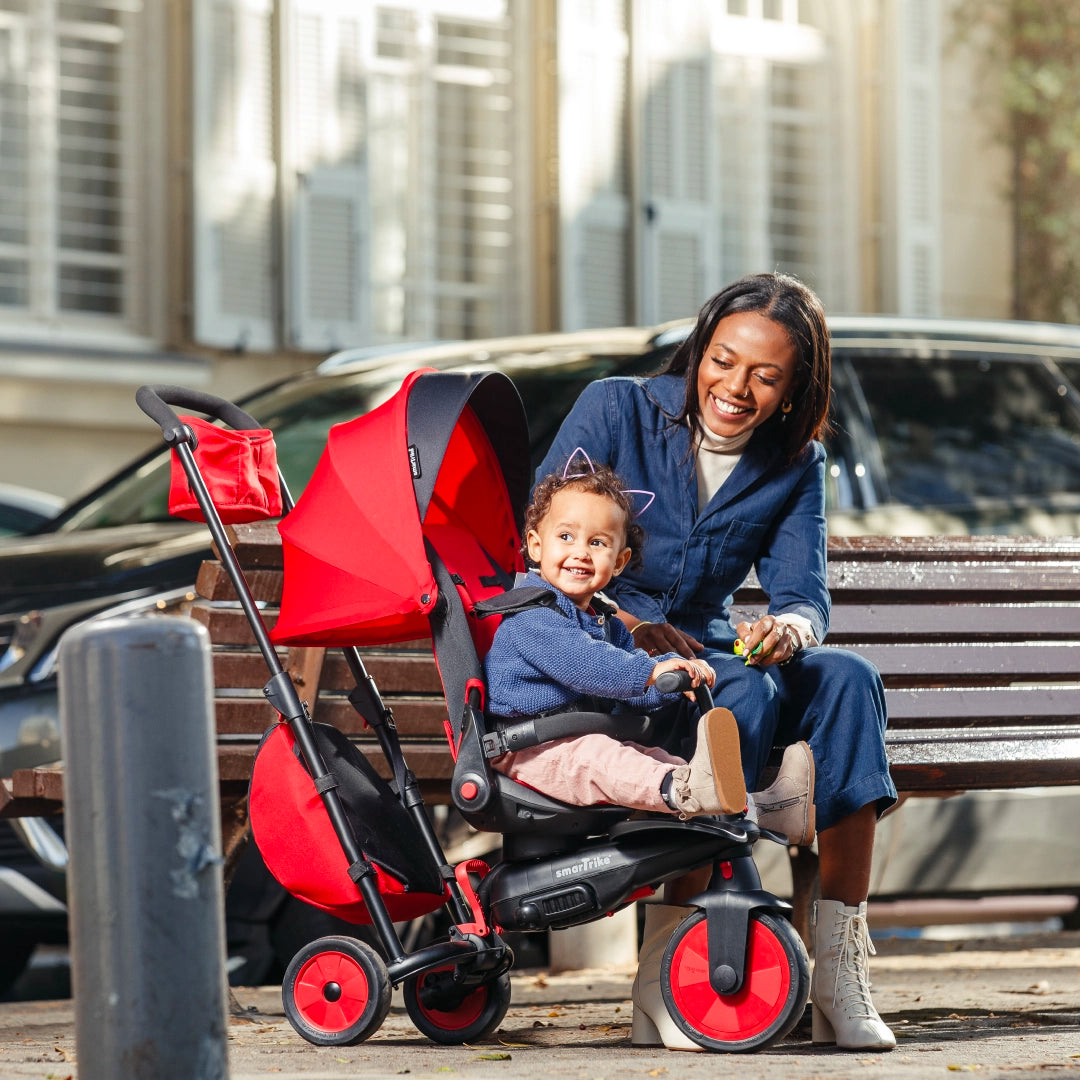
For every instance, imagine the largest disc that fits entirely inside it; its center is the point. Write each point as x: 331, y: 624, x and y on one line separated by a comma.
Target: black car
x: 940, y: 427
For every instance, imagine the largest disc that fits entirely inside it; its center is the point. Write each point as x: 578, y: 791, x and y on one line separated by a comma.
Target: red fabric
x: 300, y: 848
x: 239, y: 469
x: 356, y: 571
x: 355, y: 568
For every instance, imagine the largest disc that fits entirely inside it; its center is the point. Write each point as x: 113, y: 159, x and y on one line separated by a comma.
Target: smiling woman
x: 745, y: 375
x: 750, y: 386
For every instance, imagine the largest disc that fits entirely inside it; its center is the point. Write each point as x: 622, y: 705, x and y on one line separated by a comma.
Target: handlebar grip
x: 156, y: 402
x: 673, y: 682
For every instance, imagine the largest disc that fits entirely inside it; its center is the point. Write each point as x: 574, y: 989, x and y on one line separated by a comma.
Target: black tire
x: 15, y: 953
x: 468, y: 1018
x: 336, y: 991
x: 767, y: 1006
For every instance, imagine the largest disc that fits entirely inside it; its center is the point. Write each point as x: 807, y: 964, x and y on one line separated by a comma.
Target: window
x: 68, y: 73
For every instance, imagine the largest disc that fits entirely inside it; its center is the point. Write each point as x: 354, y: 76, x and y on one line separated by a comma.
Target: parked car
x: 940, y: 427
x: 23, y: 509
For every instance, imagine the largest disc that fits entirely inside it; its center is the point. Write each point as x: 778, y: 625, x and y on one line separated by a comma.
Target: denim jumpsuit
x: 768, y: 515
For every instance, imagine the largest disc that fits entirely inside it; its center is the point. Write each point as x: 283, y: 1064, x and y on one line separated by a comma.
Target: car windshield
x: 960, y: 430
x: 300, y: 413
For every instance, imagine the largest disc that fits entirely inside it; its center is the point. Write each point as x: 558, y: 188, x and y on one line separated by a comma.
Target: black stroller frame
x: 562, y: 866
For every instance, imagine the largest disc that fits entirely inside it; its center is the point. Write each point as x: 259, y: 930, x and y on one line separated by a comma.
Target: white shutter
x: 326, y: 158
x: 16, y: 134
x: 918, y: 158
x: 234, y: 174
x: 473, y: 217
x: 679, y: 239
x: 594, y: 166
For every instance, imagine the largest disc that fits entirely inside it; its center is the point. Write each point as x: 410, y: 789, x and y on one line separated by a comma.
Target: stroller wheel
x: 452, y: 1019
x: 336, y: 991
x: 770, y: 1001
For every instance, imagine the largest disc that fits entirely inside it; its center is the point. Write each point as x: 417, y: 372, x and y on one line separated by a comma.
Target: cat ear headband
x: 568, y: 475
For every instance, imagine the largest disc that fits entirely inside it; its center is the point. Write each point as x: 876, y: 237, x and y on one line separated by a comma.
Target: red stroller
x: 409, y: 528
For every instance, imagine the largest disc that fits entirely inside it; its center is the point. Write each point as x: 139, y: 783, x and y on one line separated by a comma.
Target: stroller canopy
x: 448, y: 453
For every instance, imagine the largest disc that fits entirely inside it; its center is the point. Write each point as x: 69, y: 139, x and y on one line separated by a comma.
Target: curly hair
x: 601, y: 481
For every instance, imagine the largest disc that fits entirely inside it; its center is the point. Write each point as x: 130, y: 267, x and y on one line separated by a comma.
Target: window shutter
x: 16, y: 133
x: 594, y: 166
x: 329, y: 293
x: 918, y: 159
x: 234, y: 174
x: 680, y: 233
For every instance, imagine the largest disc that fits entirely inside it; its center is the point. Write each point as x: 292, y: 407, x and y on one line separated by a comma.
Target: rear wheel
x: 336, y: 991
x: 450, y: 1017
x: 767, y: 1006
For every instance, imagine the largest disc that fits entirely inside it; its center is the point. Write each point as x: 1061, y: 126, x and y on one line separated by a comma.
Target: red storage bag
x: 239, y: 469
x: 293, y: 833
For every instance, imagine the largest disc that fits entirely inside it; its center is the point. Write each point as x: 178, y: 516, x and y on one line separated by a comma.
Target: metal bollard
x: 144, y: 833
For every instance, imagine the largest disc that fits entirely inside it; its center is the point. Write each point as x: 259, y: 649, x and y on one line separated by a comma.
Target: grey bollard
x: 144, y: 833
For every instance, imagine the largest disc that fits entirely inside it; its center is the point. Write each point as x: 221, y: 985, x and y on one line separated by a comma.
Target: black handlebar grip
x: 156, y: 402
x: 673, y: 682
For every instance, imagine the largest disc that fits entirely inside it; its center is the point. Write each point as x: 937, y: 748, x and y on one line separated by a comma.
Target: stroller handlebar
x: 157, y: 401
x: 673, y: 682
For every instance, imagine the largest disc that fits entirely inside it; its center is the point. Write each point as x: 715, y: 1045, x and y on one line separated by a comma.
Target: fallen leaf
x: 493, y: 1057
x: 963, y: 1068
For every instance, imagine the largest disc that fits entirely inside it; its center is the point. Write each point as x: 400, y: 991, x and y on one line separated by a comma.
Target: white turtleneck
x: 716, y: 457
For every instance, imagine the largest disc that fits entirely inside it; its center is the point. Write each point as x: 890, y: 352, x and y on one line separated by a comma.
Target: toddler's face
x: 580, y: 544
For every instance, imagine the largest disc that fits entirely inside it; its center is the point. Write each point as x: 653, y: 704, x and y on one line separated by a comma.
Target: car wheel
x: 15, y: 953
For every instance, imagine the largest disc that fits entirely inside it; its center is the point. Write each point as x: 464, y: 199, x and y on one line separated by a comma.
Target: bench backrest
x: 977, y: 640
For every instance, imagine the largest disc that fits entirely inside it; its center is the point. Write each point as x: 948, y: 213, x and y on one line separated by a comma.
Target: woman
x: 727, y: 437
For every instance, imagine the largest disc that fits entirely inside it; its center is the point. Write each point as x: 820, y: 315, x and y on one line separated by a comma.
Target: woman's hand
x: 698, y: 670
x: 656, y: 638
x: 777, y: 640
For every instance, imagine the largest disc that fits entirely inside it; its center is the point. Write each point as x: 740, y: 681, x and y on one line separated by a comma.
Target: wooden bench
x: 977, y: 640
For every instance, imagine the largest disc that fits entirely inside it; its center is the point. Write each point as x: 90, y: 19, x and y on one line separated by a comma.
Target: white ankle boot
x: 843, y: 1012
x: 711, y: 782
x: 653, y: 1025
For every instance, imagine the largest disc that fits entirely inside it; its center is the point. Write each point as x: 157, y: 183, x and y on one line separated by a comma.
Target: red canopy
x: 448, y: 451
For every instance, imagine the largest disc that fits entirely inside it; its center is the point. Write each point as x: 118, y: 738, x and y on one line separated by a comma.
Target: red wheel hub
x: 331, y: 991
x: 731, y: 1017
x: 468, y: 1012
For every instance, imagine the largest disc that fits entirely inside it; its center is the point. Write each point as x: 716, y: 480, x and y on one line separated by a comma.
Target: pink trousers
x: 586, y: 769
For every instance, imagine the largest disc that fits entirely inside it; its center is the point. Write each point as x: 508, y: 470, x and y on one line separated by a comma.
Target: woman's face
x: 746, y: 373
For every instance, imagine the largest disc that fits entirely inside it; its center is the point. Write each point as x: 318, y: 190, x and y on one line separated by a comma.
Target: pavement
x: 1004, y: 1008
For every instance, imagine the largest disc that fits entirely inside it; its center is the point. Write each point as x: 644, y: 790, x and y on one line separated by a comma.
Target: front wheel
x: 766, y: 1007
x: 450, y: 1017
x: 336, y: 991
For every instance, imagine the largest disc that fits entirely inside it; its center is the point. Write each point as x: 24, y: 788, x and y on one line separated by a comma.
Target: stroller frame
x: 562, y: 866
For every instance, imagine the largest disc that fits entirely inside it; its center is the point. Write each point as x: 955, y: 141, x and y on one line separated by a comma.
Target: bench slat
x: 914, y: 707
x: 975, y: 663
x: 394, y: 673
x: 930, y: 622
x: 251, y: 715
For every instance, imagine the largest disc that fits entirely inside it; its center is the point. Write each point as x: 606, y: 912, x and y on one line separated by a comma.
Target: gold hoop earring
x: 786, y: 407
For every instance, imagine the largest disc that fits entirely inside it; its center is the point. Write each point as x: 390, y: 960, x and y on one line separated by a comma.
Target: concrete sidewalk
x: 1005, y: 1008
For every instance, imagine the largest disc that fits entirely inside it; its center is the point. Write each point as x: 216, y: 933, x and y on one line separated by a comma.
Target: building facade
x: 218, y: 192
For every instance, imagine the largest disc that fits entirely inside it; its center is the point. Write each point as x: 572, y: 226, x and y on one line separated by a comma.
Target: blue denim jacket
x: 769, y: 514
x: 541, y: 661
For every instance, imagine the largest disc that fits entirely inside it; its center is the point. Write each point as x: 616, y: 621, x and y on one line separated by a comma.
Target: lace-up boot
x: 843, y: 1012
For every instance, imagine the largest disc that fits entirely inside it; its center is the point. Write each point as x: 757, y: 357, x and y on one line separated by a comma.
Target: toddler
x: 580, y: 533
